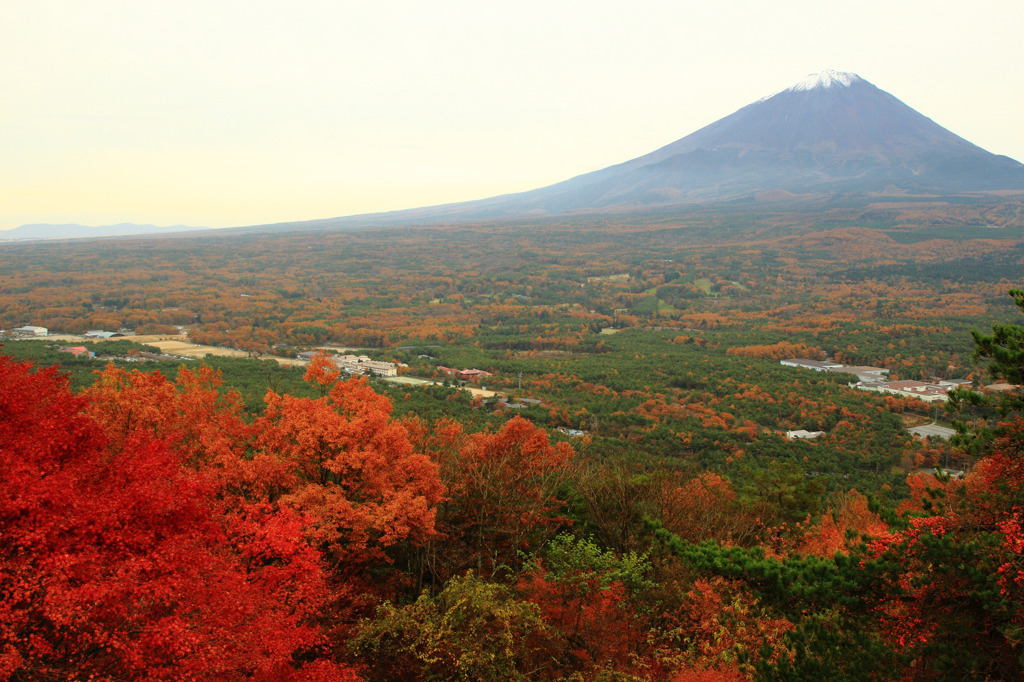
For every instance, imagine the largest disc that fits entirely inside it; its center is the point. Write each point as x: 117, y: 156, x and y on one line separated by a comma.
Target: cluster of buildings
x: 31, y: 331
x: 356, y: 364
x: 862, y: 372
x: 929, y: 392
x: 875, y: 379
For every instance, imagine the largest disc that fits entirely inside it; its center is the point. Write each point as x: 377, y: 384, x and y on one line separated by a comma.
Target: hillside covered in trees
x: 640, y: 515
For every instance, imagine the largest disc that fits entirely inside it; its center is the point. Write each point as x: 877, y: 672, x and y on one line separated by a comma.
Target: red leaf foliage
x: 118, y: 561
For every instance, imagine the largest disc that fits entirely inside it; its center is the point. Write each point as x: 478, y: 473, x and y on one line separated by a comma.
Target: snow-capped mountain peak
x: 828, y: 78
x: 831, y: 134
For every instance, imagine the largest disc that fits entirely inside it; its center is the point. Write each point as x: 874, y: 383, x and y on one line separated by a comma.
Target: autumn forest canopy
x: 616, y: 498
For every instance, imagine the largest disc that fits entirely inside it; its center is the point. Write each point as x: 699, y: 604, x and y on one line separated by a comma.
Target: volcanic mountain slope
x: 832, y: 133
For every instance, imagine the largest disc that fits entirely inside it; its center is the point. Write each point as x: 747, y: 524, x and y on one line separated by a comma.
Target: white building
x: 816, y: 365
x: 929, y: 393
x: 357, y: 364
x: 380, y: 368
x: 866, y: 374
x: 803, y: 433
x: 31, y: 330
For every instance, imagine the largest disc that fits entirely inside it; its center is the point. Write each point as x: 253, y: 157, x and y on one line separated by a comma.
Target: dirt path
x: 194, y: 350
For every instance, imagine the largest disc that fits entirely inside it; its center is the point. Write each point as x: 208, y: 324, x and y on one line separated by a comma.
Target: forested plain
x: 641, y: 516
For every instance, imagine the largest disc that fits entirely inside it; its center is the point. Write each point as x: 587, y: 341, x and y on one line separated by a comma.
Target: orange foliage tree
x: 778, y: 351
x: 342, y: 460
x: 190, y: 414
x: 718, y: 631
x: 594, y: 600
x: 848, y: 520
x: 503, y: 493
x: 704, y: 508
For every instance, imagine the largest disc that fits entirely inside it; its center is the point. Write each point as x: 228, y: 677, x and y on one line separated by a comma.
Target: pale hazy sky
x: 239, y: 112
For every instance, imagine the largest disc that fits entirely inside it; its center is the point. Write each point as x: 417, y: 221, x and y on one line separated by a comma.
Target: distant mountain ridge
x: 72, y: 230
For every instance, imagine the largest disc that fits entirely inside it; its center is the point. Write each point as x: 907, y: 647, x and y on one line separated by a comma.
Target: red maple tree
x: 122, y: 562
